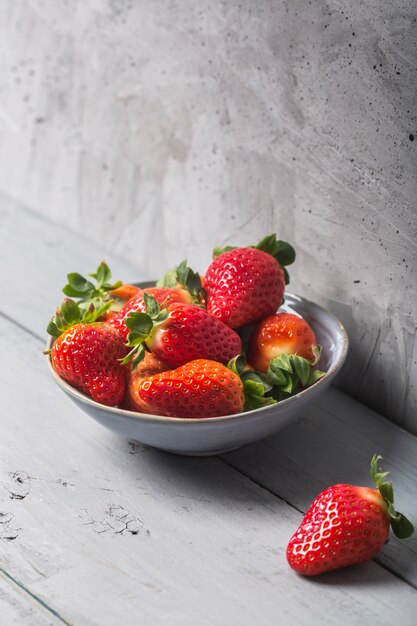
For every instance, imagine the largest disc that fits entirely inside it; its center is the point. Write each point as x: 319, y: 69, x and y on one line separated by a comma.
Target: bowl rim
x: 137, y: 416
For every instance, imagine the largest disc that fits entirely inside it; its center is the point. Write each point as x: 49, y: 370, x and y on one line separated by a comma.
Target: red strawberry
x: 243, y: 285
x: 180, y: 333
x: 282, y: 333
x: 86, y: 353
x: 161, y: 294
x: 200, y: 388
x: 149, y: 366
x: 346, y: 525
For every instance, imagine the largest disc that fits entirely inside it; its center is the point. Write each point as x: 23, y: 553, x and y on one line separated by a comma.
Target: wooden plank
x: 113, y: 533
x: 35, y: 257
x: 17, y: 607
x: 44, y: 252
x: 333, y: 443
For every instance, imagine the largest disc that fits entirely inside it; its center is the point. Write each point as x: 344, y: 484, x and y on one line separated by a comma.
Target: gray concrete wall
x: 162, y: 128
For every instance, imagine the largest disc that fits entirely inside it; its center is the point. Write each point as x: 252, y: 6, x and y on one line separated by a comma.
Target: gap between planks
x: 21, y: 587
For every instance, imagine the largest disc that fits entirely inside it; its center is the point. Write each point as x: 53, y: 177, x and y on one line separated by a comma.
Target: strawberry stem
x: 141, y: 326
x: 184, y: 277
x: 289, y: 373
x: 86, y: 291
x: 70, y: 313
x: 282, y: 251
x: 255, y: 384
x: 401, y: 526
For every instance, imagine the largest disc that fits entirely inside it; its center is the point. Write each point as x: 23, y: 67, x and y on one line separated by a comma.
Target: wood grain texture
x: 160, y: 129
x: 108, y: 532
x: 36, y: 256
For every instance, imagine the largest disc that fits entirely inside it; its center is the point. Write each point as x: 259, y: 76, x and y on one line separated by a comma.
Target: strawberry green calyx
x: 255, y: 385
x: 184, y: 277
x: 141, y: 326
x: 217, y: 251
x: 282, y: 251
x: 70, y: 313
x: 401, y: 526
x: 86, y: 291
x: 289, y: 373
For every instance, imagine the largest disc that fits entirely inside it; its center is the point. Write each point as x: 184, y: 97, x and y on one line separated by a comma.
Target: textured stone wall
x: 162, y: 128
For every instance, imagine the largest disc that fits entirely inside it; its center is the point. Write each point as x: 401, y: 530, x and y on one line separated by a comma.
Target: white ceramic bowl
x: 216, y: 435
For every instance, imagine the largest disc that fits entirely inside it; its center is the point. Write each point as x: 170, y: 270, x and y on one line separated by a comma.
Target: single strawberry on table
x: 179, y: 333
x: 243, y: 285
x: 87, y: 353
x: 346, y: 525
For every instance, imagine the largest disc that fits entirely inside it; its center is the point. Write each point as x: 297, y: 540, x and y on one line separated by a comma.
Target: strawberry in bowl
x: 178, y: 351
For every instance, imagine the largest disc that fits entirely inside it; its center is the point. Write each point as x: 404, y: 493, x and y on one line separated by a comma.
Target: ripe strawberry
x: 180, y: 333
x: 282, y: 333
x: 200, y: 388
x: 346, y: 525
x: 86, y: 353
x: 243, y: 285
x: 161, y: 294
x: 149, y: 366
x: 284, y: 347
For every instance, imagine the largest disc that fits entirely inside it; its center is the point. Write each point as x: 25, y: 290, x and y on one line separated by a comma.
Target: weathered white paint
x: 107, y: 532
x: 159, y: 129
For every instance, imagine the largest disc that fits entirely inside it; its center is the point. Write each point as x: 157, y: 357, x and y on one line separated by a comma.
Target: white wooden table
x: 95, y: 530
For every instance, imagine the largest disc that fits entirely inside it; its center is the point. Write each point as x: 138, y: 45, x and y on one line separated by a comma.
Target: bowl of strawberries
x: 195, y: 365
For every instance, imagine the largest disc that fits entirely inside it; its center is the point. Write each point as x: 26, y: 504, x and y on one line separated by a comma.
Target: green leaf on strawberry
x: 290, y: 373
x: 282, y: 251
x: 238, y: 364
x: 184, y: 277
x: 401, y: 526
x: 141, y: 325
x: 218, y: 251
x: 86, y: 291
x: 169, y: 279
x: 301, y: 368
x: 70, y: 313
x: 255, y: 384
